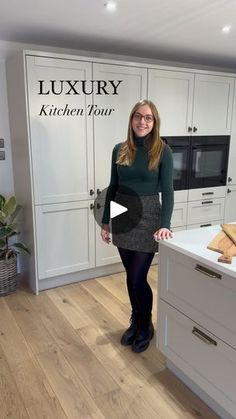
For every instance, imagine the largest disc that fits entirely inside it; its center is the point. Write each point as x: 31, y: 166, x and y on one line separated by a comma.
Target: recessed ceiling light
x: 226, y: 29
x: 111, y: 6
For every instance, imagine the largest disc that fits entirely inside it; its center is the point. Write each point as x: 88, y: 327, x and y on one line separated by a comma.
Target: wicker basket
x: 8, y: 276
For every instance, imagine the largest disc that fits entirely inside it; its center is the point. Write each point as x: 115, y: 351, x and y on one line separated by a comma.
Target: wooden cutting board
x: 223, y: 244
x: 230, y: 230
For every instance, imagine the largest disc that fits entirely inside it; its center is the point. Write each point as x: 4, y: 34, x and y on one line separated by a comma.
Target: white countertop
x: 194, y: 244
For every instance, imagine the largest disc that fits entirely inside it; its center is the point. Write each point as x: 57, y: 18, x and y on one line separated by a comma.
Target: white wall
x: 9, y: 48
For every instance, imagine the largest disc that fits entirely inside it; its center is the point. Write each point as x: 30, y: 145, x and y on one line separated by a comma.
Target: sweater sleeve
x: 113, y: 186
x: 167, y: 189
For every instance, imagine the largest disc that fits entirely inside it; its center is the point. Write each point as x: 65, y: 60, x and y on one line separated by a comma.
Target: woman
x: 144, y: 165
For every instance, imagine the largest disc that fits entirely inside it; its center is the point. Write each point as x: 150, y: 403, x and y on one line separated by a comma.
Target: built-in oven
x: 209, y: 161
x: 180, y: 150
x: 199, y: 161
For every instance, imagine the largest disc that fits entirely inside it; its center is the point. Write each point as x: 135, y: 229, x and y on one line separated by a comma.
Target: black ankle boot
x: 143, y: 337
x: 129, y: 335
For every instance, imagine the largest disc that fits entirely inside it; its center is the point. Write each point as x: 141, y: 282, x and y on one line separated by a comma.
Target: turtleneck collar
x: 141, y: 141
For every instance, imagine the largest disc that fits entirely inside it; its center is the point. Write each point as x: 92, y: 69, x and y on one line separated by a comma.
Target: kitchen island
x: 197, y: 317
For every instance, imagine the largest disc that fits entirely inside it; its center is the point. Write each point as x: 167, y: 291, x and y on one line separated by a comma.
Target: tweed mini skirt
x: 140, y: 236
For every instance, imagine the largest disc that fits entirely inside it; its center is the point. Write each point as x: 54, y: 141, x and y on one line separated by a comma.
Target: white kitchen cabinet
x: 200, y: 355
x: 205, y: 207
x: 196, y: 312
x: 61, y: 146
x: 111, y: 130
x: 206, y: 193
x: 231, y: 179
x: 65, y: 235
x: 172, y: 92
x: 63, y: 132
x: 181, y: 196
x: 179, y: 215
x: 206, y: 210
x: 230, y: 204
x: 197, y: 104
x: 213, y: 100
x: 64, y: 124
x: 184, y: 283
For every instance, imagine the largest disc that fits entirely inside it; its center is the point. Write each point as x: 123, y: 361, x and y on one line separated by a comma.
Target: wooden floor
x: 60, y: 357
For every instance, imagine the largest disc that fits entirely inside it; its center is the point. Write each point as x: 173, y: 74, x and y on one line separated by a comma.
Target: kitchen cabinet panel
x: 192, y: 104
x: 111, y: 130
x: 206, y: 193
x: 65, y: 238
x: 196, y: 312
x: 179, y: 216
x: 61, y: 144
x: 172, y: 92
x: 213, y: 100
x: 230, y: 204
x: 189, y: 288
x: 232, y: 150
x: 206, y: 210
x: 200, y: 355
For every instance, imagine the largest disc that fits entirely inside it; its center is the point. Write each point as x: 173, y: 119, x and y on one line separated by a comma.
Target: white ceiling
x: 176, y: 30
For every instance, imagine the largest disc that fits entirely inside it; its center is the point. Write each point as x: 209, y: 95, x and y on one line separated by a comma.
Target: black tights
x: 137, y: 265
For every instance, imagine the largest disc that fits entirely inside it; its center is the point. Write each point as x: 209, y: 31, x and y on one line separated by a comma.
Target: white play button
x: 116, y: 209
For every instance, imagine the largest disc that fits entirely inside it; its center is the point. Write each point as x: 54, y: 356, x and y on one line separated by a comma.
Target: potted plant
x: 9, y: 248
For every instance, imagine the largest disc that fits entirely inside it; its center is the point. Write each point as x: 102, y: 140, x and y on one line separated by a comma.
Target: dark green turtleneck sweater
x: 143, y: 181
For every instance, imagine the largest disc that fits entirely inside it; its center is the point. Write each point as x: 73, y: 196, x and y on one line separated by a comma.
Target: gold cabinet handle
x: 205, y: 338
x: 207, y: 272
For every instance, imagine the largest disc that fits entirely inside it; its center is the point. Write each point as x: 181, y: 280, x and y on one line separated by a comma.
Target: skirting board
x: 83, y: 275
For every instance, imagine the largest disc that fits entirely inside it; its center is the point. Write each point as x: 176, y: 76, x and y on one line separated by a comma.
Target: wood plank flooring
x: 60, y: 357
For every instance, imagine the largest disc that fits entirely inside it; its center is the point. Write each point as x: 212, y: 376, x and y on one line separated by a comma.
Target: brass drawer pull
x: 207, y: 272
x: 203, y: 337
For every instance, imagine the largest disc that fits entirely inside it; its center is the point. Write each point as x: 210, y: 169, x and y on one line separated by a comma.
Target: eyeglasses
x: 147, y: 118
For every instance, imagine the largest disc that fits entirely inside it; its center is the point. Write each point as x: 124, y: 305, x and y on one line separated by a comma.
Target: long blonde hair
x: 156, y: 146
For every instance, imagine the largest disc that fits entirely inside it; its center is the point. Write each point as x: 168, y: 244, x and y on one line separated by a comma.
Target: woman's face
x: 142, y: 121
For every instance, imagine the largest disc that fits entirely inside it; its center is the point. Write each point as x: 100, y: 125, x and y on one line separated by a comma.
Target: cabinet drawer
x: 206, y: 193
x: 207, y: 297
x: 204, y: 358
x: 205, y: 211
x: 206, y: 224
x: 179, y: 215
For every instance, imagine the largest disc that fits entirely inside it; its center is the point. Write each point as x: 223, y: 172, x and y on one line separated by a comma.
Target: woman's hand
x: 162, y: 233
x: 105, y: 233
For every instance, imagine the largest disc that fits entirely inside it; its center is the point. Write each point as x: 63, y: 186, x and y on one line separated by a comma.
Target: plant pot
x: 8, y: 276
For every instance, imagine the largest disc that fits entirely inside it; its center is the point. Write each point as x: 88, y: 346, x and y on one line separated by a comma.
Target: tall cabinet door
x: 230, y: 204
x: 172, y: 93
x: 213, y: 99
x: 111, y: 128
x: 61, y: 133
x: 62, y: 171
x: 232, y: 151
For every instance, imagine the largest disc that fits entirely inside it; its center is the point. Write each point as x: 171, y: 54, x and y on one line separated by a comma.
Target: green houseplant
x: 9, y: 247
